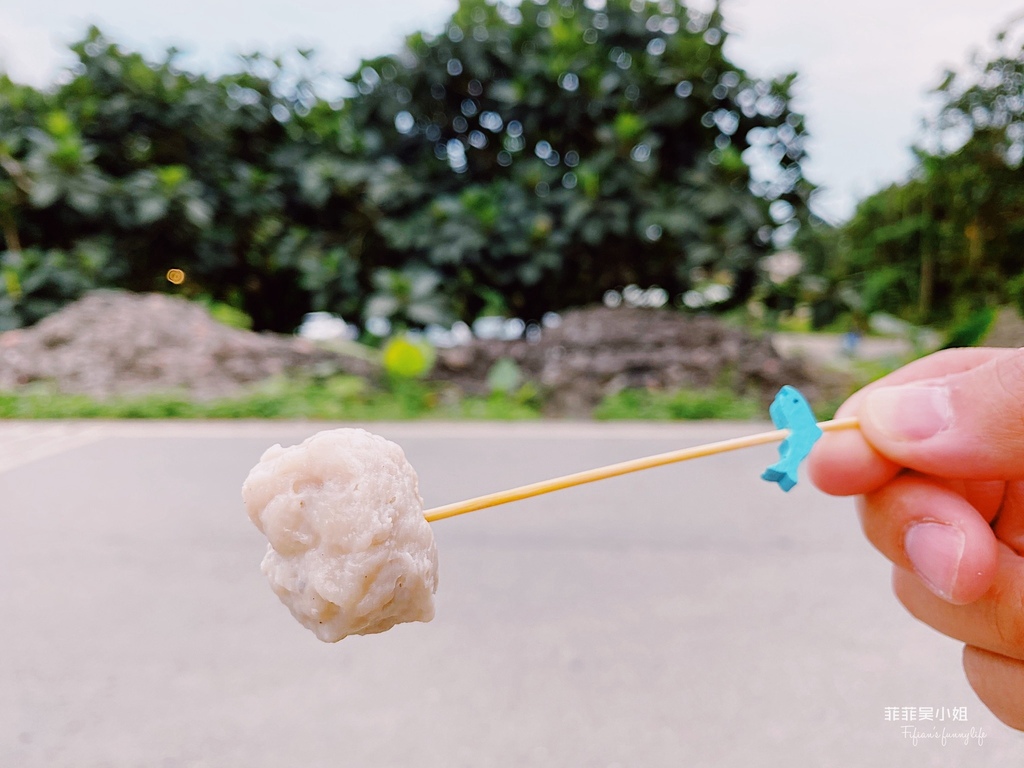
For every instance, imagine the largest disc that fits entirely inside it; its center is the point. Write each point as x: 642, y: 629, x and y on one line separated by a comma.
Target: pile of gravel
x: 600, y: 351
x: 114, y: 343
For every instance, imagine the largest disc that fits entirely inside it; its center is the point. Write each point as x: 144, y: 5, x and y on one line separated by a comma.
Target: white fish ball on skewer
x: 349, y: 549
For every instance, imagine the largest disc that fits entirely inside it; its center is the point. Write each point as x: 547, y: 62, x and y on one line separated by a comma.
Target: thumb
x: 967, y: 425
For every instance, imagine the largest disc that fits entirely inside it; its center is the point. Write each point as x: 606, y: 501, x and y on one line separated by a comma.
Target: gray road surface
x: 685, y: 616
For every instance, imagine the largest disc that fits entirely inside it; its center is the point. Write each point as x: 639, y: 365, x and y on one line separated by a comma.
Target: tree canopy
x: 950, y: 240
x: 531, y: 155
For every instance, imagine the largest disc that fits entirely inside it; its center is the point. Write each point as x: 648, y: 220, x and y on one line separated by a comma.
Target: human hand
x: 938, y: 465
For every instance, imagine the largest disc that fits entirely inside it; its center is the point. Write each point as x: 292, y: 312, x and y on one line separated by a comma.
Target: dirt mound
x: 599, y: 351
x: 114, y: 343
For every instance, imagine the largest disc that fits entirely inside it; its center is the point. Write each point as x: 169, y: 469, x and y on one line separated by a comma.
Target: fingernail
x: 935, y: 550
x: 909, y: 413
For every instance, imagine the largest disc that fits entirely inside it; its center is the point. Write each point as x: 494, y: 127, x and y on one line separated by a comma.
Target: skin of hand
x: 938, y: 469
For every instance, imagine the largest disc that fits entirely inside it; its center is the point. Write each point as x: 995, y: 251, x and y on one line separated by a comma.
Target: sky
x: 865, y: 67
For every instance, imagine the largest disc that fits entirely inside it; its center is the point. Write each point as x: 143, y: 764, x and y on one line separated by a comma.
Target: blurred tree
x: 950, y: 241
x: 554, y: 150
x: 543, y: 152
x: 245, y: 182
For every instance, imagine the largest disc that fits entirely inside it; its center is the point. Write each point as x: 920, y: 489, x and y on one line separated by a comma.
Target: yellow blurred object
x: 408, y: 357
x: 175, y: 276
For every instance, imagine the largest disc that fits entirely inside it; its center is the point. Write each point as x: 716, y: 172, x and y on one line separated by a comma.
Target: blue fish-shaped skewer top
x: 791, y: 411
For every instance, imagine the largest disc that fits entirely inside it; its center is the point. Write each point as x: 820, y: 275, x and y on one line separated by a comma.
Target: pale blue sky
x: 865, y: 66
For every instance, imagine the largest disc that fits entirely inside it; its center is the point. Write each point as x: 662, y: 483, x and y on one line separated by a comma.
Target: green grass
x: 679, y: 405
x: 348, y: 398
x: 341, y: 398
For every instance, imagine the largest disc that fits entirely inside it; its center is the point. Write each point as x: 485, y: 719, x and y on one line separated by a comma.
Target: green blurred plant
x: 946, y: 244
x: 682, y: 404
x: 410, y: 296
x: 244, y: 181
x: 335, y: 398
x: 226, y: 314
x: 504, y: 377
x: 36, y: 282
x: 972, y: 330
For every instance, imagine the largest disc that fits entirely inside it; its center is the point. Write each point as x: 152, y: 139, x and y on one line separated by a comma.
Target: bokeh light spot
x: 656, y: 47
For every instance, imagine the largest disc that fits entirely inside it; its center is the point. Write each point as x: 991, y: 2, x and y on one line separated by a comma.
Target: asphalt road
x: 685, y: 616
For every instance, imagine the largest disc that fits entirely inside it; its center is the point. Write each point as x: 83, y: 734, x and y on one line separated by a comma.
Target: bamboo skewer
x: 623, y: 468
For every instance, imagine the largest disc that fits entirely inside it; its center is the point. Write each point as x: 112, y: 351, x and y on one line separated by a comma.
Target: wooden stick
x: 623, y: 468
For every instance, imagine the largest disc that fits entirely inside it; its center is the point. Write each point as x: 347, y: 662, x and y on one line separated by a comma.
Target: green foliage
x: 679, y: 405
x: 505, y: 376
x: 948, y: 242
x: 240, y: 181
x: 542, y: 153
x: 550, y: 152
x: 520, y: 405
x: 972, y: 330
x: 227, y: 314
x: 410, y: 296
x: 36, y: 282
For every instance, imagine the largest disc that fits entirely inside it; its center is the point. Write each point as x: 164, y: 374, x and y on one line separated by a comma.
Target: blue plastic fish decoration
x: 791, y: 411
